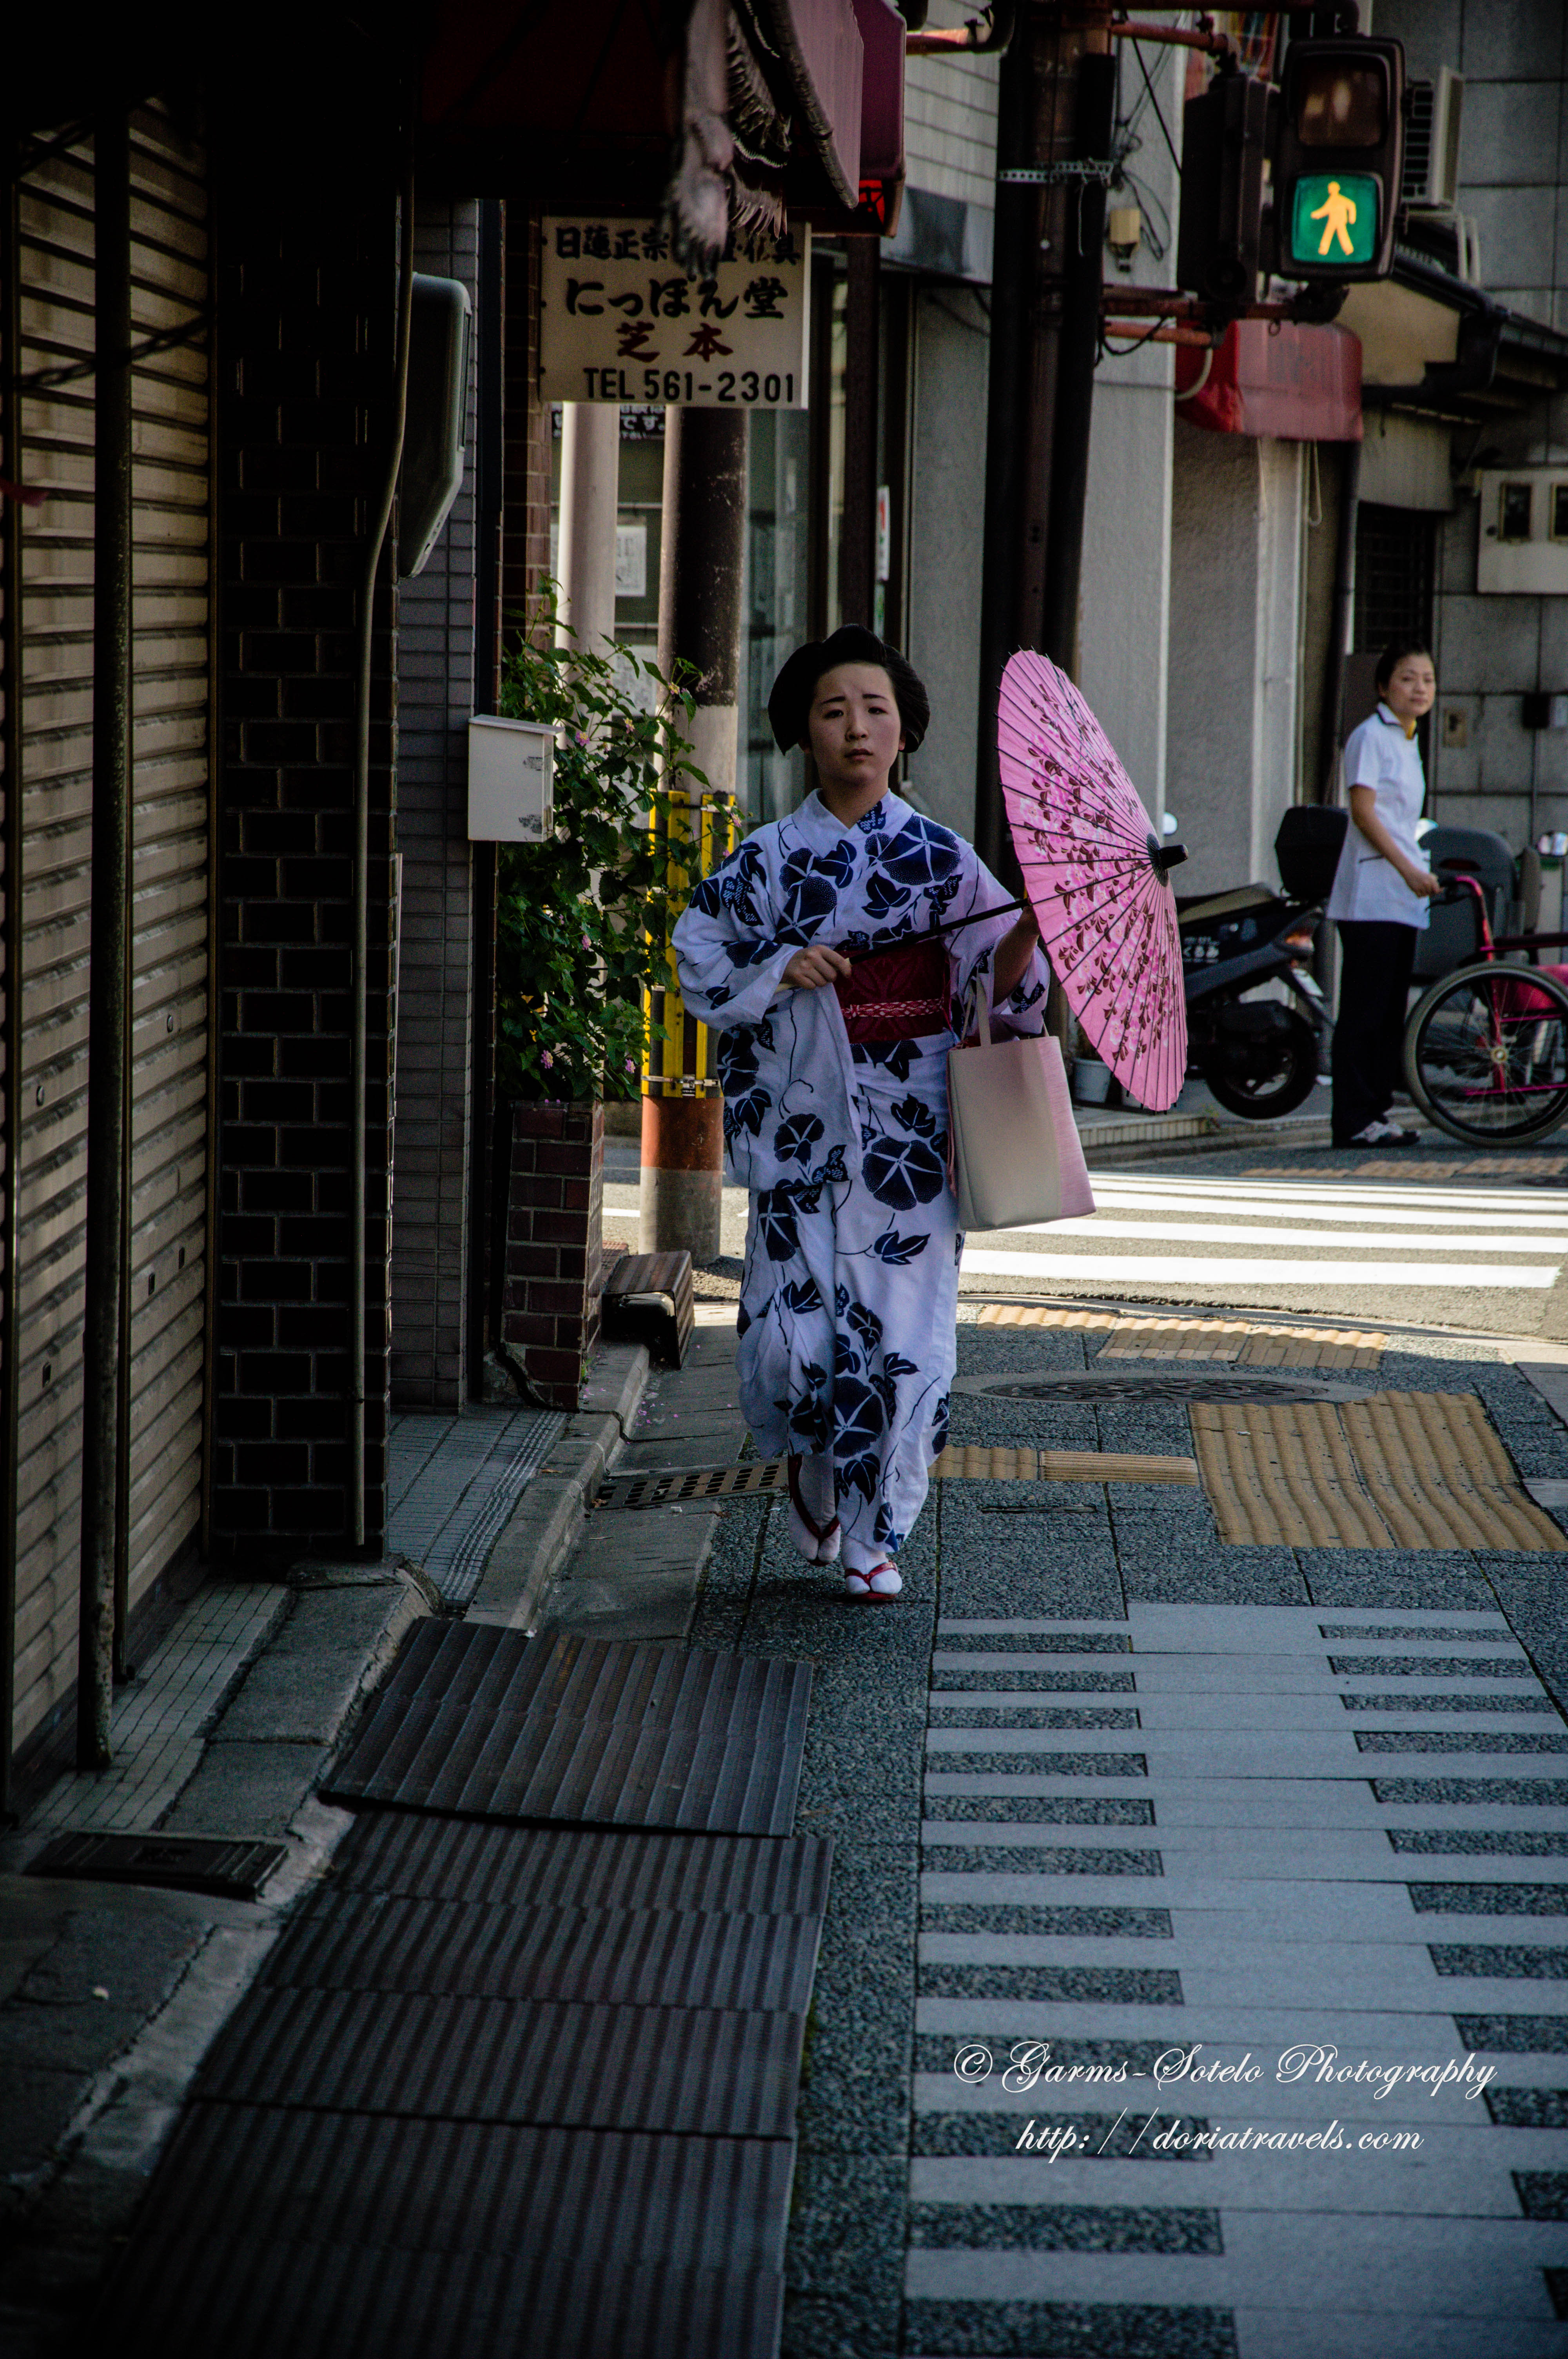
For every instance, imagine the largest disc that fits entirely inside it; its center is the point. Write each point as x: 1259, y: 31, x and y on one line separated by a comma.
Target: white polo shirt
x: 1367, y: 888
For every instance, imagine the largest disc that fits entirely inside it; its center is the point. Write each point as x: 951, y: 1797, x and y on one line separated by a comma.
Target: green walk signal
x: 1333, y: 219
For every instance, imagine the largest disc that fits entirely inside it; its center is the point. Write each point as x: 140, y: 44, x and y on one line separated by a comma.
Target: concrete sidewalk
x: 110, y: 1994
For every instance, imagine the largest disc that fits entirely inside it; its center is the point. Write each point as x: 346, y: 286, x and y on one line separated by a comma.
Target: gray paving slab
x: 1482, y: 2269
x: 1456, y: 2172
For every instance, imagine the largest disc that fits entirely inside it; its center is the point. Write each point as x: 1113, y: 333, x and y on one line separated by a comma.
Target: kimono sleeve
x: 1024, y: 1009
x: 728, y: 956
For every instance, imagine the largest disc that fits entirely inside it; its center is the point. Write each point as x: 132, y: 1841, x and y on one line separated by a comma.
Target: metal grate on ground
x: 1414, y: 1470
x: 251, y: 2300
x: 673, y: 1486
x: 447, y: 1908
x: 486, y: 1722
x: 454, y: 1482
x: 570, y: 2176
x: 232, y: 1870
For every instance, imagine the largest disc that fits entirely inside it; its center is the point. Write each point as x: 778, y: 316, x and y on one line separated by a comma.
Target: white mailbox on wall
x: 512, y: 771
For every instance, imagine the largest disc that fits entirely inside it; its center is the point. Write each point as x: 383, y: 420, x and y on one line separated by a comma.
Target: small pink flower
x: 631, y: 1064
x: 547, y: 1061
x: 587, y: 943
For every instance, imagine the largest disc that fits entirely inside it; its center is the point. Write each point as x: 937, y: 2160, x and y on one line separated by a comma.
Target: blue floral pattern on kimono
x: 848, y: 1321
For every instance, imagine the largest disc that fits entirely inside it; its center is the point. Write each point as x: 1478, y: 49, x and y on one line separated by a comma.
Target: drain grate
x: 232, y: 1871
x: 671, y: 1486
x: 488, y: 1723
x: 1107, y: 1388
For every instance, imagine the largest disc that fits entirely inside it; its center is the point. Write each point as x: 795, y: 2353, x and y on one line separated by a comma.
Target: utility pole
x: 590, y: 491
x: 1055, y: 113
x: 701, y: 564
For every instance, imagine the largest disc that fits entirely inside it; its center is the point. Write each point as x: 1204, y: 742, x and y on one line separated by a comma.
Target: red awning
x: 1283, y: 377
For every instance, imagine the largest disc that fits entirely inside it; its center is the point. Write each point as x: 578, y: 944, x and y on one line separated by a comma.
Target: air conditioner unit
x: 1432, y: 140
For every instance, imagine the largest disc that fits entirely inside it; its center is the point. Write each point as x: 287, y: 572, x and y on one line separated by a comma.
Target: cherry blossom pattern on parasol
x: 1095, y: 874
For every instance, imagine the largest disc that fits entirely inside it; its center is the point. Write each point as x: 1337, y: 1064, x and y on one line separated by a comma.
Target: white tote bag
x: 1013, y: 1148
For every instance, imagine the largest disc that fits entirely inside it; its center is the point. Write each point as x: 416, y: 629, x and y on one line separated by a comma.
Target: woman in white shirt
x: 1381, y: 888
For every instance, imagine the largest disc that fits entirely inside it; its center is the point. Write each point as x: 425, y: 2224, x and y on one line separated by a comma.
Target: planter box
x: 555, y: 1242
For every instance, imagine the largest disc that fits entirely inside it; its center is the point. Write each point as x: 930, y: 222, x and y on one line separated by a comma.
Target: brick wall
x: 554, y: 1244
x: 307, y: 311
x: 434, y: 698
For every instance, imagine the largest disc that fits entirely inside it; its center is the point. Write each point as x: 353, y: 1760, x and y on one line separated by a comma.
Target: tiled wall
x: 307, y: 314
x: 1513, y: 55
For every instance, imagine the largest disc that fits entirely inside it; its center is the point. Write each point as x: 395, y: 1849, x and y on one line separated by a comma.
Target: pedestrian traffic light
x: 1339, y: 159
x: 1224, y: 143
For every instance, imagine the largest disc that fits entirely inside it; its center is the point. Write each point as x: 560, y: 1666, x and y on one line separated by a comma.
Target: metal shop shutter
x: 56, y: 661
x: 170, y: 918
x: 171, y: 670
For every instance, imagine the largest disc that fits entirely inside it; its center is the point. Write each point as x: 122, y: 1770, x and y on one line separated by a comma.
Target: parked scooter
x: 1261, y: 1057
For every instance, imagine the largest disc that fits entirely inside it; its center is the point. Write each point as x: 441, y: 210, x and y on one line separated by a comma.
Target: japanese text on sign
x: 621, y: 321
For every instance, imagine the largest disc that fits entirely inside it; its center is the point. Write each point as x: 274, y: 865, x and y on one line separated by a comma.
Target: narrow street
x: 1153, y: 2013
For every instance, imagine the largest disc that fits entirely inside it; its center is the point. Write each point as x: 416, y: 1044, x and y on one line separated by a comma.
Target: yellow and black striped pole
x: 683, y: 1112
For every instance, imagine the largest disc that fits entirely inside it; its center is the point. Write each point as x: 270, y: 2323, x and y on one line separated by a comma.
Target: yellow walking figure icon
x: 1337, y: 214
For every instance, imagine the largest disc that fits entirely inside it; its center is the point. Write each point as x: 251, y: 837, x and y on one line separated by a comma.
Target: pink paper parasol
x: 1095, y: 873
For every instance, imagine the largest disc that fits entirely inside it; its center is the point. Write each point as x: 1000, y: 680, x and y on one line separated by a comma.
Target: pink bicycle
x: 1486, y: 1049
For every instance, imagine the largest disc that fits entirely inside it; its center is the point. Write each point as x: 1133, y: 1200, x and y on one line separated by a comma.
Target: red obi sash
x: 897, y: 994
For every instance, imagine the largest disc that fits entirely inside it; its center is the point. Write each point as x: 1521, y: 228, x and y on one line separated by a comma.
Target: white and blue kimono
x: 847, y: 1322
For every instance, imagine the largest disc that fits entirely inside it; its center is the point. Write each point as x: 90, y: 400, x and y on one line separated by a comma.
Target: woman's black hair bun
x: 789, y: 706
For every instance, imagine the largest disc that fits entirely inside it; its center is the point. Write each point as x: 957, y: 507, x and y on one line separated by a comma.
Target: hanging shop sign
x: 621, y: 321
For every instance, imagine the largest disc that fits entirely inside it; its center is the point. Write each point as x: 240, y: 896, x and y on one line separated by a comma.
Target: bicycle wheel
x: 1485, y: 1053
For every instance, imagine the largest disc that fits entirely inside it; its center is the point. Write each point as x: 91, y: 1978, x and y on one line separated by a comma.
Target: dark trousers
x: 1375, y: 963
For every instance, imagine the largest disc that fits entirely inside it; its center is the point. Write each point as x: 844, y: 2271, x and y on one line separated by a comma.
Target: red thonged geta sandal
x: 818, y: 1543
x: 878, y: 1585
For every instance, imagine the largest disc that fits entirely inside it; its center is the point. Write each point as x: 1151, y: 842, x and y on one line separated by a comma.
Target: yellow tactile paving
x: 1037, y: 1314
x: 1396, y: 1470
x: 1245, y: 1342
x: 973, y: 1463
x: 1284, y: 1474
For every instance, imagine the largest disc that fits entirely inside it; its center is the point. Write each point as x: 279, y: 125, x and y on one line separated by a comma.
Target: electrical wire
x: 1159, y: 117
x: 45, y: 380
x: 1120, y: 353
x: 1158, y: 241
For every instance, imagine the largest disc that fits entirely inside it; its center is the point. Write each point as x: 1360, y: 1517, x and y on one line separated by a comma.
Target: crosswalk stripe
x: 1132, y: 1235
x: 1231, y: 1232
x: 1192, y: 1270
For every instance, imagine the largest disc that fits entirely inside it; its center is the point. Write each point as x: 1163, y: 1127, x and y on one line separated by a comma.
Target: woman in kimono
x: 835, y: 1078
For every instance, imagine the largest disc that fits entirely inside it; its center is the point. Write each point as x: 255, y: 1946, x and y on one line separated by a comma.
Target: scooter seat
x: 1203, y: 911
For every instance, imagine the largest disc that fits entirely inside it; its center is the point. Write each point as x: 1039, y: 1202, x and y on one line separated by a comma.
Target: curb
x: 549, y: 1519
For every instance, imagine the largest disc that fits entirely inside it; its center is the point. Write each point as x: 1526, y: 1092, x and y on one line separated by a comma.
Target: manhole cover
x: 1089, y: 1385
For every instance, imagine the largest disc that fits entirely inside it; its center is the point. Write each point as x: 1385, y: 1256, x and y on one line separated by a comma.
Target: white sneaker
x: 1383, y: 1133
